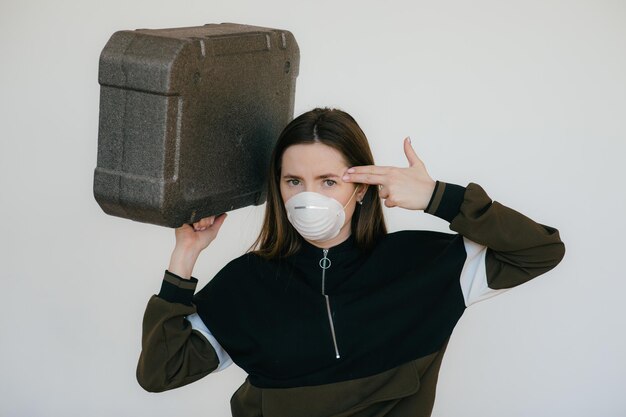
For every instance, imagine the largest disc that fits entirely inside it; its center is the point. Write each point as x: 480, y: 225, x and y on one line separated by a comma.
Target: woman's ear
x: 361, y: 193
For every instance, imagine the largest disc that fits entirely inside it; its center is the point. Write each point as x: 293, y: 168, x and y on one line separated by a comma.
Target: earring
x: 360, y: 202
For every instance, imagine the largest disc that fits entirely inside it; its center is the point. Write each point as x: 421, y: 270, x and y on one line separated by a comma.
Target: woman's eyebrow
x: 323, y: 176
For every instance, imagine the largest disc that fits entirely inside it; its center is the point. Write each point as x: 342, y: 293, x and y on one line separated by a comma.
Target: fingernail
x: 408, y: 138
x: 345, y: 177
x: 351, y: 170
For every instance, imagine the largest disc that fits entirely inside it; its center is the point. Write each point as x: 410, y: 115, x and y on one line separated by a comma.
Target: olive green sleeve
x: 173, y: 354
x: 518, y: 248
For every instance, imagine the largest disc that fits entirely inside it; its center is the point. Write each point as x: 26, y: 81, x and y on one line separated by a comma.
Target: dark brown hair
x: 339, y: 130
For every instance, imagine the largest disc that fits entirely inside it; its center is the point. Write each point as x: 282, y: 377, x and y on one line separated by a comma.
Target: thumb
x: 411, y: 156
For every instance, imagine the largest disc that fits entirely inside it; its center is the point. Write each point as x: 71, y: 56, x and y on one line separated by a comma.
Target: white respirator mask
x: 315, y: 216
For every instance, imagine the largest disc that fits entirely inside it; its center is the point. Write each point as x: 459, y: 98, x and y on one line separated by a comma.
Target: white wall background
x: 526, y: 98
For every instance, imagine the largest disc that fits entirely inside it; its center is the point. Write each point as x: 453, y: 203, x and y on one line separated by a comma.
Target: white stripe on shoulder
x: 474, y: 274
x: 198, y: 324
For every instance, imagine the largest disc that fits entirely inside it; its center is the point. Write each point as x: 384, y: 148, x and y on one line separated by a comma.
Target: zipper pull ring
x: 325, y: 262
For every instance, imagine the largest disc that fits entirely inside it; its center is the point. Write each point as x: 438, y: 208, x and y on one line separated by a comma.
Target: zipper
x: 325, y: 264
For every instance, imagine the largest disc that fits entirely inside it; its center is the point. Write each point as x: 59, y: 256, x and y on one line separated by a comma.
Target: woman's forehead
x: 312, y: 159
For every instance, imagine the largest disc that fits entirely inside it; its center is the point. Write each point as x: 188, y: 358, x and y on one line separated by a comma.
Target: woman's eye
x: 293, y: 182
x: 330, y: 183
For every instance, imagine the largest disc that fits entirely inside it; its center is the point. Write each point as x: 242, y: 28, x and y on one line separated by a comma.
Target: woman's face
x: 317, y: 167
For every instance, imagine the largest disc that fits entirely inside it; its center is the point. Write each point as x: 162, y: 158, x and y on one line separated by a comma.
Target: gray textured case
x: 189, y: 117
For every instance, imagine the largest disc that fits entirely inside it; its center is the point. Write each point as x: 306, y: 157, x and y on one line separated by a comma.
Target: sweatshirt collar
x: 348, y: 245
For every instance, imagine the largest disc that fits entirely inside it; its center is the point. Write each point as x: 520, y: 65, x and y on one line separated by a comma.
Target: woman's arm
x: 506, y: 247
x: 177, y: 347
x: 173, y: 354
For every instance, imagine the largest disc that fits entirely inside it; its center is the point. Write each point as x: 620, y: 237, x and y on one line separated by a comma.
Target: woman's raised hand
x: 410, y: 188
x: 196, y: 237
x: 190, y: 241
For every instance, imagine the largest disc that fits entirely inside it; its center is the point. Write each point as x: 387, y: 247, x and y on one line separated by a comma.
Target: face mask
x: 315, y: 216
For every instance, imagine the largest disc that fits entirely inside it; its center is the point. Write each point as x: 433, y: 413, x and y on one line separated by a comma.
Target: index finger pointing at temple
x: 364, y: 178
x: 369, y: 169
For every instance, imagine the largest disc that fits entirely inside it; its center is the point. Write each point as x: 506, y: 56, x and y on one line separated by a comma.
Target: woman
x: 330, y: 315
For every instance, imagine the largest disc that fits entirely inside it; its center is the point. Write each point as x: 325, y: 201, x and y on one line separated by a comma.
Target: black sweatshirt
x: 362, y: 326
